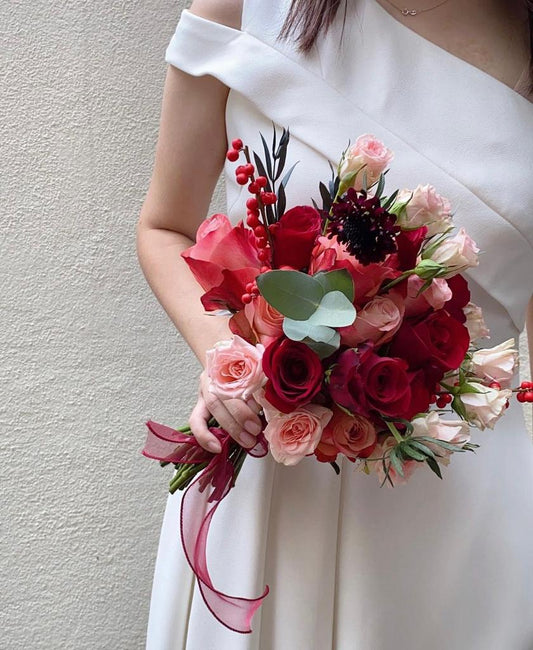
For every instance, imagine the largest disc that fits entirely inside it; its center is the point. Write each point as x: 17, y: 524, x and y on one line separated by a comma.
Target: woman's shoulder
x: 227, y: 12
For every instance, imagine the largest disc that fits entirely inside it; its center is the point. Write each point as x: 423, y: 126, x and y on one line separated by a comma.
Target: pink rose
x: 475, y: 322
x: 484, y: 409
x: 456, y: 432
x: 496, y: 364
x: 235, y: 368
x: 457, y: 253
x: 377, y: 321
x: 425, y: 208
x: 266, y: 321
x: 434, y: 297
x: 369, y: 155
x: 294, y: 435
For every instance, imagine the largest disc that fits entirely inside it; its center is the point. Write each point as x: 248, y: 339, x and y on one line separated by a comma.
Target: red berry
x: 521, y: 397
x: 232, y: 155
x: 250, y: 169
x: 265, y: 269
x: 246, y: 298
x: 250, y: 287
x: 261, y: 181
x: 448, y: 398
x: 496, y: 385
x: 241, y: 169
x: 529, y: 396
x: 261, y: 242
x: 442, y: 402
x: 242, y: 179
x: 253, y: 188
x: 237, y: 143
x: 526, y: 384
x: 263, y: 255
x: 433, y: 399
x: 252, y: 204
x: 252, y: 220
x: 260, y: 231
x: 268, y: 198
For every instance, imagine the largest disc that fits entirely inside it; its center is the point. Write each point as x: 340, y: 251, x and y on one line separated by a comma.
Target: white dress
x: 440, y: 565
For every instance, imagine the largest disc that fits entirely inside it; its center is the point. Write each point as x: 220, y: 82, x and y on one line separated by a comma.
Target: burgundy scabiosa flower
x: 366, y: 229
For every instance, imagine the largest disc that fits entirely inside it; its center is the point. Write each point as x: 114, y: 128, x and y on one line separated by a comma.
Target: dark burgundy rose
x: 420, y: 392
x: 294, y: 237
x: 368, y: 384
x: 435, y: 344
x: 460, y: 297
x: 294, y: 374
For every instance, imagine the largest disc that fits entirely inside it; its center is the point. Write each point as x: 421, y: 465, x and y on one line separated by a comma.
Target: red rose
x: 365, y: 383
x: 408, y: 244
x: 435, y: 344
x: 294, y: 236
x: 460, y: 297
x: 294, y: 374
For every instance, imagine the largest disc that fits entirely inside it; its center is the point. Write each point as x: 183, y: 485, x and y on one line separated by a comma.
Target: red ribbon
x: 211, y: 485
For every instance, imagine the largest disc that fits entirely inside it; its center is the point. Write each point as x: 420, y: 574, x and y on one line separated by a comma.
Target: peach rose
x: 425, y: 208
x: 456, y: 432
x: 475, y: 323
x: 496, y: 364
x: 457, y: 253
x: 294, y: 435
x: 435, y: 296
x: 235, y: 368
x: 377, y: 321
x: 266, y: 321
x: 369, y: 155
x: 351, y: 434
x: 376, y: 466
x: 484, y: 409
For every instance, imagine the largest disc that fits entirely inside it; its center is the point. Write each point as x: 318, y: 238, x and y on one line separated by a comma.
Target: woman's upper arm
x: 191, y: 145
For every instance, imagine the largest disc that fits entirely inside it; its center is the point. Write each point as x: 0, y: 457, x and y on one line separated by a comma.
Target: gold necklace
x: 414, y: 12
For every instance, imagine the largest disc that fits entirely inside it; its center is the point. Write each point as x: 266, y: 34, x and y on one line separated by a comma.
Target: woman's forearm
x: 173, y: 284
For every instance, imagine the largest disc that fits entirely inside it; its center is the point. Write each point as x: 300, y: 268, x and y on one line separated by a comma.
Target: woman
x: 441, y: 565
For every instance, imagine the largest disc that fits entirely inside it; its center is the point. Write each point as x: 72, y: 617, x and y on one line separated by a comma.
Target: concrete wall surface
x: 87, y: 353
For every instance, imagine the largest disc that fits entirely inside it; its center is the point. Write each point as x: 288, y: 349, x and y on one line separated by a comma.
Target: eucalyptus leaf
x: 339, y: 280
x: 293, y: 293
x: 298, y: 330
x: 324, y: 350
x: 334, y: 310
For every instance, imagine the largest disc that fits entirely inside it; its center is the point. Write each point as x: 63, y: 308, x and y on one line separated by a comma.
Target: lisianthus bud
x: 423, y: 207
x: 497, y: 363
x: 483, y: 409
x: 475, y: 323
x: 456, y: 253
x: 368, y: 154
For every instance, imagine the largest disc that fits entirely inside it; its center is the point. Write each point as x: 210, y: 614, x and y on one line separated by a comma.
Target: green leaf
x: 323, y: 350
x: 268, y: 162
x: 287, y: 176
x: 396, y: 462
x: 434, y: 466
x: 413, y: 453
x: 425, y: 450
x: 334, y: 310
x: 390, y: 201
x: 380, y: 187
x: 293, y: 293
x: 339, y: 280
x: 298, y: 330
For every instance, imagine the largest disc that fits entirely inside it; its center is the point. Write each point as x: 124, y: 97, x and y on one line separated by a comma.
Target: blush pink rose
x: 377, y: 321
x: 496, y: 364
x: 484, y: 409
x: 456, y: 432
x: 292, y: 436
x: 475, y: 322
x: 266, y: 322
x: 457, y: 253
x: 369, y: 155
x: 235, y: 368
x: 425, y: 207
x: 434, y: 297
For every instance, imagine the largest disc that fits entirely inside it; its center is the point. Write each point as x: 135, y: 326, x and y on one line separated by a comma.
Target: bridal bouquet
x: 352, y: 328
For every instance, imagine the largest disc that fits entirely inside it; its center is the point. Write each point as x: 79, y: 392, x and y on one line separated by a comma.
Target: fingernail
x: 214, y: 446
x: 252, y: 427
x: 247, y: 440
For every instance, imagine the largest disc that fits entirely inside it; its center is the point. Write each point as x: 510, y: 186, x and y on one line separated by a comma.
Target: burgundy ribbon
x: 211, y: 485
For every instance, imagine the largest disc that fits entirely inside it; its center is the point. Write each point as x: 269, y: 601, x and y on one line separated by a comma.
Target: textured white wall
x: 87, y: 354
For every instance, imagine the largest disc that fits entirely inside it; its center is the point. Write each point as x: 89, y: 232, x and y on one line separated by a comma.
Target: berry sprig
x: 525, y: 392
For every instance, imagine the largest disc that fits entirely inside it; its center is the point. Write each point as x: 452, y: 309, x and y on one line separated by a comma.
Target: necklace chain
x: 414, y: 12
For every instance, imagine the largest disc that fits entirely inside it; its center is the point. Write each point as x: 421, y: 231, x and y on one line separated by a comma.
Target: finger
x: 198, y: 423
x: 227, y: 421
x: 253, y: 405
x: 244, y: 415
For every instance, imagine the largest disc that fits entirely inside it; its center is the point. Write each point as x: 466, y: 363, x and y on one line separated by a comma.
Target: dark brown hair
x: 307, y: 19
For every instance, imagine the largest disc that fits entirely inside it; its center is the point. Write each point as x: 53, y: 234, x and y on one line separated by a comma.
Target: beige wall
x: 87, y: 354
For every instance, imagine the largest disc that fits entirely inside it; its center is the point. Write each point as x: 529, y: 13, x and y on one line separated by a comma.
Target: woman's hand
x: 237, y: 417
